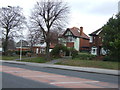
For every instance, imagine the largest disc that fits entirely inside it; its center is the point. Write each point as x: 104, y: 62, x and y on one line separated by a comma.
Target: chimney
x: 81, y: 31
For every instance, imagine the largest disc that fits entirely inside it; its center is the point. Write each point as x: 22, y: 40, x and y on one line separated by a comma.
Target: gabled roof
x: 24, y: 43
x: 76, y: 32
x: 97, y: 32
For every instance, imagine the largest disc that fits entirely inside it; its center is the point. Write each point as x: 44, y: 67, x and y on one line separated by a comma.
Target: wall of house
x: 36, y: 50
x: 23, y: 49
x: 76, y: 44
x: 97, y: 42
x: 84, y: 43
x: 70, y: 44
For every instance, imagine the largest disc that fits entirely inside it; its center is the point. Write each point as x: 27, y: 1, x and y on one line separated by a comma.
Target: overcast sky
x: 91, y: 14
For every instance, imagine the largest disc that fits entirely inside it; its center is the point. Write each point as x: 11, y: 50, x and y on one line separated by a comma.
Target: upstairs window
x: 70, y: 39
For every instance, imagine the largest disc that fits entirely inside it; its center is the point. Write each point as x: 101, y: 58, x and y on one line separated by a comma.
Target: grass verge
x: 25, y: 59
x: 10, y: 57
x: 91, y: 63
x: 36, y: 60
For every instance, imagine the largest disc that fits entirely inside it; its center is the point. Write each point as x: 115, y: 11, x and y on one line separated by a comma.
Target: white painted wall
x: 50, y: 50
x: 0, y: 49
x: 103, y: 52
x: 76, y: 44
x: 37, y: 50
x: 91, y: 39
x: 94, y: 50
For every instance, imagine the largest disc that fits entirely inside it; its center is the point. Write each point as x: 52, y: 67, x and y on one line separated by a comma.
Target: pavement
x: 73, y: 68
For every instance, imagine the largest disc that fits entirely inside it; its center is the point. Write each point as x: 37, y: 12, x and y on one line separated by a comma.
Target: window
x: 93, y: 50
x: 70, y: 39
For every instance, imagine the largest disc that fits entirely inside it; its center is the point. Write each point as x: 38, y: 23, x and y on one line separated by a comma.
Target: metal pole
x: 21, y: 51
x: 21, y: 48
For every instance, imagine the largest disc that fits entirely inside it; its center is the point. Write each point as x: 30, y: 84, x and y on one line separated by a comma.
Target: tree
x: 11, y: 21
x: 111, y: 37
x: 11, y: 43
x: 47, y: 16
x: 34, y: 37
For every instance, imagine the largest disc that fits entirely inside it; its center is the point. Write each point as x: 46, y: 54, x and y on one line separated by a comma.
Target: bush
x: 23, y: 52
x: 109, y: 58
x: 57, y: 49
x: 74, y: 52
x: 11, y: 53
x: 85, y: 56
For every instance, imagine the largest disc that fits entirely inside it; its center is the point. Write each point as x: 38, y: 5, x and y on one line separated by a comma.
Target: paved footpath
x: 83, y: 69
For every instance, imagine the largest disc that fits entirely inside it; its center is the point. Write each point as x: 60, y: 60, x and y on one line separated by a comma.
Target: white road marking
x: 44, y: 76
x: 17, y: 71
x: 74, y: 82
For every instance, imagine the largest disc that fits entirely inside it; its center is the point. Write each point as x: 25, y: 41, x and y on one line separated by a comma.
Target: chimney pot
x: 81, y: 30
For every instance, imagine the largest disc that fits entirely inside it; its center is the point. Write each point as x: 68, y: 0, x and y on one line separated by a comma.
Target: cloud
x: 104, y: 8
x: 91, y: 14
x: 98, y: 7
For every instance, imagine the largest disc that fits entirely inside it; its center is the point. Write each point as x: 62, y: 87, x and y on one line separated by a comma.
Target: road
x: 23, y: 76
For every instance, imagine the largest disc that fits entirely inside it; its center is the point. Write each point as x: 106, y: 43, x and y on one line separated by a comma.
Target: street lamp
x: 21, y: 48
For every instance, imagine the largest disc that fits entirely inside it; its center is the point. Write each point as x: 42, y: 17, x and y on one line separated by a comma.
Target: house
x: 25, y: 46
x: 52, y: 45
x: 39, y: 48
x: 96, y: 43
x: 75, y: 38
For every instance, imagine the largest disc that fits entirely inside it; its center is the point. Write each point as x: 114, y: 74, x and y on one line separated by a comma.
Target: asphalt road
x: 11, y: 80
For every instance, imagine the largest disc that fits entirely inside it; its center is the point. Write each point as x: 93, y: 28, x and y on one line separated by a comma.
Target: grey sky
x: 91, y: 14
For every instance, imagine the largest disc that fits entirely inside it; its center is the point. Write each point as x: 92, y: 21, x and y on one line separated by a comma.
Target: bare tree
x: 48, y: 15
x: 11, y: 21
x: 34, y: 37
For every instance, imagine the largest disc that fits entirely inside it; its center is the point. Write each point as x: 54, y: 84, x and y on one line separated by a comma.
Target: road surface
x: 23, y: 76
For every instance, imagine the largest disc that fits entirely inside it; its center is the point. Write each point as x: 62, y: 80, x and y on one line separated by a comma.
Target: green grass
x: 0, y: 56
x: 25, y: 59
x: 36, y: 60
x: 91, y: 63
x: 10, y: 57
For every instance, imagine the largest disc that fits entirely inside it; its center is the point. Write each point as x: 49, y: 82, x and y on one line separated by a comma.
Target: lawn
x: 24, y: 59
x: 11, y: 57
x: 91, y: 63
x: 36, y: 60
x: 0, y: 56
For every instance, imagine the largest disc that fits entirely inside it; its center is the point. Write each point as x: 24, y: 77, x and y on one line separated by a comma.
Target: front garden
x: 91, y: 63
x: 78, y: 59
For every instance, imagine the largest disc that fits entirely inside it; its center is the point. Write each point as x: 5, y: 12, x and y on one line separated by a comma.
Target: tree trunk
x: 47, y: 51
x: 6, y: 45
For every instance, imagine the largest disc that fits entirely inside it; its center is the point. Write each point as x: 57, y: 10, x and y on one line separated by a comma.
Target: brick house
x: 25, y: 46
x: 96, y: 43
x: 39, y: 48
x: 76, y: 38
